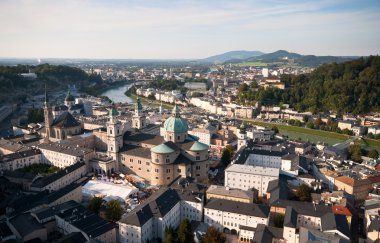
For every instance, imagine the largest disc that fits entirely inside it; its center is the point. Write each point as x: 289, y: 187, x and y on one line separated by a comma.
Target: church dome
x: 176, y: 123
x: 69, y: 97
x: 198, y: 146
x: 162, y: 149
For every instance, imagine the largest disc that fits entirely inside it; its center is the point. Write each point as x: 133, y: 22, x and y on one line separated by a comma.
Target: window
x: 179, y: 170
x: 179, y: 137
x: 197, y: 158
x: 167, y: 170
x: 156, y: 170
x: 167, y: 161
x: 197, y: 167
x: 147, y: 163
x: 168, y: 178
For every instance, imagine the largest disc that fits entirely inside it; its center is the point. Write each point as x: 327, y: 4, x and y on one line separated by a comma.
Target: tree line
x: 349, y: 87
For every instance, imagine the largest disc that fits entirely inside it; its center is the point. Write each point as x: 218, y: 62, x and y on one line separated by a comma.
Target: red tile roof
x: 341, y: 210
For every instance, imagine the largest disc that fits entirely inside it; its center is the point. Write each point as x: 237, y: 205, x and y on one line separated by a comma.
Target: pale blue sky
x: 174, y: 29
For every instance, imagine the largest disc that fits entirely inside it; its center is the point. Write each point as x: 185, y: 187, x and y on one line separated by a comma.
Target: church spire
x: 176, y: 112
x: 46, y: 97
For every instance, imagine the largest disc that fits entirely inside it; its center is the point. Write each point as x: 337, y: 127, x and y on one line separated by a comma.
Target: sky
x: 186, y: 29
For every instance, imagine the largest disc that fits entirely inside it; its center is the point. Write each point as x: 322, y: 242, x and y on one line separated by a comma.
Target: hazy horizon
x: 185, y: 29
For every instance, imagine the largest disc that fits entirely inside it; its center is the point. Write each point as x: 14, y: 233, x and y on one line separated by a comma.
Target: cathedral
x: 60, y: 126
x: 157, y: 154
x: 159, y: 159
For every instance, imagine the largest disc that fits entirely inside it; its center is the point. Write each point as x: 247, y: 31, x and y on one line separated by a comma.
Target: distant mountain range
x: 274, y: 58
x: 232, y: 55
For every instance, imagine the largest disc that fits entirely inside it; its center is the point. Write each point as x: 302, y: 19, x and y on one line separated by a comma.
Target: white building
x: 265, y: 72
x: 20, y: 160
x: 260, y: 134
x: 246, y: 177
x: 226, y: 215
x: 61, y: 155
x: 59, y: 179
x: 265, y: 158
x: 204, y: 134
x: 166, y: 208
x: 374, y: 130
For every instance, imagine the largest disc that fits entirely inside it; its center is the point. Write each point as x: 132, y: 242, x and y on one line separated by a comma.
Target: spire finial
x: 46, y: 96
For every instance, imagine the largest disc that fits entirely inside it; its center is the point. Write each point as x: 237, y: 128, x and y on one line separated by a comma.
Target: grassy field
x: 371, y: 142
x: 320, y: 133
x: 315, y: 135
x: 150, y: 102
x: 252, y: 64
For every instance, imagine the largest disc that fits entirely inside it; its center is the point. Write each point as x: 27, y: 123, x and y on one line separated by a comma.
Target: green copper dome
x: 113, y: 111
x: 198, y: 146
x: 176, y: 123
x: 162, y: 149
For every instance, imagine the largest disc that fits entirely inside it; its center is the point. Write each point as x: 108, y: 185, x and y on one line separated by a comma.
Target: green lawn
x: 304, y: 130
x: 371, y: 142
x: 330, y: 136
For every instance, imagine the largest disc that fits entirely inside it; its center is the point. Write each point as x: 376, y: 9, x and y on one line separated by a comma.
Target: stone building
x: 61, y: 127
x: 161, y: 159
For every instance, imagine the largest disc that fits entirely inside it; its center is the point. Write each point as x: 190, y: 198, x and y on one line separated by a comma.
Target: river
x: 117, y: 94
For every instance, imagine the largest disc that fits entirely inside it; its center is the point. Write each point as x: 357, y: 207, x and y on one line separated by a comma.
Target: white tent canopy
x: 103, y: 188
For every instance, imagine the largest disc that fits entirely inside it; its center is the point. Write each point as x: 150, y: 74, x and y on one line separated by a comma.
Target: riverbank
x: 314, y: 135
x: 114, y: 85
x: 149, y: 102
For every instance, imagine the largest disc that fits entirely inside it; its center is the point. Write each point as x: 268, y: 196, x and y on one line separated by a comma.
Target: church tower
x: 48, y: 116
x: 114, y: 135
x: 138, y: 119
x: 242, y: 137
x: 69, y: 100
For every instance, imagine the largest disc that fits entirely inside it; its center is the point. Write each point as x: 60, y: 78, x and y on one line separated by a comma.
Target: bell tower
x: 138, y: 119
x: 114, y: 135
x: 242, y: 136
x: 48, y: 116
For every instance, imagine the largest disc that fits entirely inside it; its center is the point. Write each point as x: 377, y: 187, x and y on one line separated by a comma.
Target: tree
x: 226, y: 157
x: 227, y: 154
x: 230, y: 149
x: 94, y: 204
x: 303, y: 193
x: 279, y: 220
x: 168, y: 234
x: 373, y: 153
x: 114, y: 210
x: 355, y: 152
x: 151, y: 97
x: 35, y: 115
x: 275, y: 129
x: 185, y: 234
x: 213, y: 236
x: 310, y: 125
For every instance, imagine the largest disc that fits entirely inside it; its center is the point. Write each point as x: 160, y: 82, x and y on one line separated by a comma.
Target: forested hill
x: 15, y: 87
x: 352, y: 86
